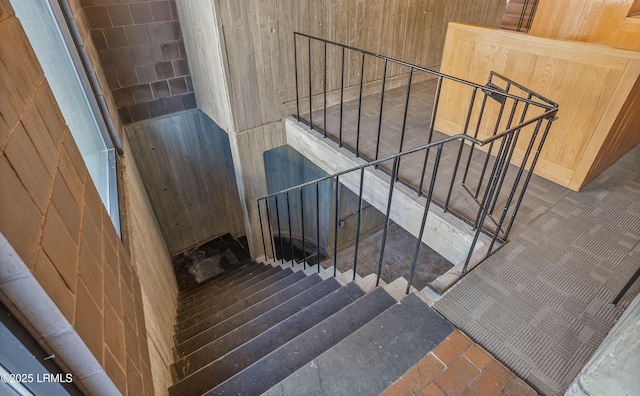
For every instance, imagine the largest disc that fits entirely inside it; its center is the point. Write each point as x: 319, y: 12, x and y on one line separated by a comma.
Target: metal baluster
x: 360, y: 105
x: 289, y: 223
x: 455, y: 168
x: 424, y: 217
x: 264, y: 245
x: 271, y: 241
x: 355, y: 255
x: 335, y: 227
x: 431, y: 126
x: 325, y: 91
x: 394, y: 173
x: 406, y: 110
x: 295, y: 66
x: 384, y: 79
x: 310, y: 97
x: 279, y: 230
x: 304, y: 248
x: 341, y: 95
x: 318, y: 225
x: 475, y: 135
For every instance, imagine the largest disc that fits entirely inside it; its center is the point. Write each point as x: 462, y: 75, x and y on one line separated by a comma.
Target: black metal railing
x: 479, y: 174
x: 527, y: 14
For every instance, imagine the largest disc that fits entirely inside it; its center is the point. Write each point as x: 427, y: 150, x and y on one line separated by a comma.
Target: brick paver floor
x: 458, y: 366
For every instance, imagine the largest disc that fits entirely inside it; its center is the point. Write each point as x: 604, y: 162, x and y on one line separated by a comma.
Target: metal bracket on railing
x: 500, y: 98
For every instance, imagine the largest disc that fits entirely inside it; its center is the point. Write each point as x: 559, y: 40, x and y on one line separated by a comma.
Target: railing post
x: 264, y: 245
x: 271, y: 241
x: 318, y: 225
x: 360, y: 105
x: 434, y: 114
x: 324, y: 119
x: 295, y: 67
x: 304, y: 248
x: 384, y: 80
x: 394, y: 174
x: 310, y: 90
x: 424, y: 217
x: 289, y: 223
x: 341, y: 96
x: 355, y: 254
x: 335, y: 226
x: 406, y: 110
x: 279, y: 230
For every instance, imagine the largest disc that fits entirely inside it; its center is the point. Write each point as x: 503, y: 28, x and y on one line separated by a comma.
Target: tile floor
x: 542, y: 304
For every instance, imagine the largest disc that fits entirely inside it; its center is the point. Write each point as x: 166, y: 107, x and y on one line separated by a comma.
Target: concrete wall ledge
x: 613, y: 369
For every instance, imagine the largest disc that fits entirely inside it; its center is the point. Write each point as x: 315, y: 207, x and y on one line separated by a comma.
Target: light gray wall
x: 186, y: 165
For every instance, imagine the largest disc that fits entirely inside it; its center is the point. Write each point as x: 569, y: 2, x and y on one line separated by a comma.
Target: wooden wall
x: 595, y: 86
x: 187, y: 169
x: 611, y: 22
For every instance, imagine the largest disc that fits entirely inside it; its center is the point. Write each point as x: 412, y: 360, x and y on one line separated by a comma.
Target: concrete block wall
x: 142, y: 53
x: 51, y: 214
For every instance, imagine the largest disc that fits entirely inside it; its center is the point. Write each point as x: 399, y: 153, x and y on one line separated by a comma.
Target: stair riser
x: 242, y: 312
x: 267, y: 372
x: 218, y: 371
x: 218, y: 347
x: 233, y: 296
x: 220, y: 288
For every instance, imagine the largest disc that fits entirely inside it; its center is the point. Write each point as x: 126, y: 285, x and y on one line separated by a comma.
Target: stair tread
x: 241, y: 334
x: 219, y: 370
x: 280, y: 291
x: 276, y: 366
x: 227, y: 287
x: 218, y: 303
x: 375, y: 356
x: 208, y: 286
x: 237, y: 315
x: 212, y: 281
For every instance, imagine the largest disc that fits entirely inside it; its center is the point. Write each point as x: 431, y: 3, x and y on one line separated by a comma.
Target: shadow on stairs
x: 281, y: 329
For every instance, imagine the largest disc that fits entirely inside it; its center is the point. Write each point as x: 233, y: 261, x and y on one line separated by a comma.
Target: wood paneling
x: 187, y: 171
x: 582, y: 20
x: 594, y: 85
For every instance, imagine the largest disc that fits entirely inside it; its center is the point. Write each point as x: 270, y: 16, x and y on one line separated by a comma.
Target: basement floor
x: 542, y: 304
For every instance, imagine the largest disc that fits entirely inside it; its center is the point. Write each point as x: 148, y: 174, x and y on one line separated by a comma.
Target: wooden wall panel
x: 590, y: 82
x: 187, y: 170
x: 592, y: 21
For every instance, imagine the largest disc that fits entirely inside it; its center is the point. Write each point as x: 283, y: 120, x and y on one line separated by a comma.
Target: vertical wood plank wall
x: 189, y: 176
x: 596, y: 87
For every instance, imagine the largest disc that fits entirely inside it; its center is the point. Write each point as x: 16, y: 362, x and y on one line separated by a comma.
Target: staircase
x: 279, y: 328
x: 518, y: 15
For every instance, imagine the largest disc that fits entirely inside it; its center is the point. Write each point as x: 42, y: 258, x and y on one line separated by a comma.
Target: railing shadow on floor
x: 478, y: 171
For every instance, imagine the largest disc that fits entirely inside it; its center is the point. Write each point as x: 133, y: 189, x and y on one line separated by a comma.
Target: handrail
x: 496, y: 182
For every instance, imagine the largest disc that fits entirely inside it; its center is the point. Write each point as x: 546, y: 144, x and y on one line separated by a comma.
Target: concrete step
x: 219, y: 370
x: 217, y: 287
x: 247, y: 281
x: 221, y: 302
x: 216, y: 342
x: 276, y: 366
x: 211, y: 282
x: 236, y: 248
x: 374, y: 356
x: 280, y: 289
